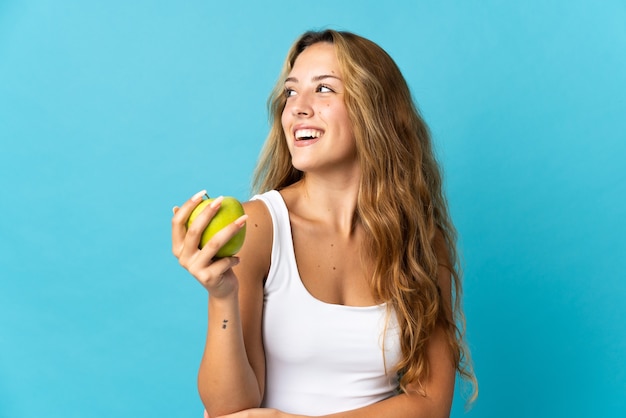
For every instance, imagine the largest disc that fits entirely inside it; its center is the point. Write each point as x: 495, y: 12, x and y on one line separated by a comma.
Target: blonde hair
x: 400, y: 205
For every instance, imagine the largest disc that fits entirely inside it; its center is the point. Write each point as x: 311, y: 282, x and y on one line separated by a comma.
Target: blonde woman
x: 345, y: 298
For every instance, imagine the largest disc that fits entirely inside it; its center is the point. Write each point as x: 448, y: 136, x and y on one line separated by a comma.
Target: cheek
x: 343, y: 118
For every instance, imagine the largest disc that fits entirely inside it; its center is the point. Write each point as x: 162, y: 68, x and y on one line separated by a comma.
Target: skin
x: 321, y: 206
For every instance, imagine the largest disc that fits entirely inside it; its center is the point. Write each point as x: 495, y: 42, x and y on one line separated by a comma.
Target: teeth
x: 307, y: 133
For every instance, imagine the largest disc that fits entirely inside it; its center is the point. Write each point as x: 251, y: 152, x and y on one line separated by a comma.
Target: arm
x: 232, y: 370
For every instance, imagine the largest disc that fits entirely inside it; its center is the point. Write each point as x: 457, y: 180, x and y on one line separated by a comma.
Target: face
x: 315, y: 119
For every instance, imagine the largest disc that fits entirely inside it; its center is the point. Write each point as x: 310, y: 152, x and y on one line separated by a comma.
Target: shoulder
x: 259, y: 223
x: 257, y: 210
x: 256, y: 251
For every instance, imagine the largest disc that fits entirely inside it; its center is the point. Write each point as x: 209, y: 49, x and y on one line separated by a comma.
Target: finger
x: 199, y: 224
x: 221, y: 238
x: 179, y: 220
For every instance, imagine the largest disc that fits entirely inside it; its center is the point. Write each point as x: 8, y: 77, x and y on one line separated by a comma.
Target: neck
x: 330, y: 200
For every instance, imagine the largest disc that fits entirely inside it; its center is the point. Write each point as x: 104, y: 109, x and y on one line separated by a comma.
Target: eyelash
x: 289, y: 92
x: 324, y: 86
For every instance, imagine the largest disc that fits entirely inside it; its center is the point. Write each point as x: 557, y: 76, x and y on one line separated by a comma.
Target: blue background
x: 111, y: 112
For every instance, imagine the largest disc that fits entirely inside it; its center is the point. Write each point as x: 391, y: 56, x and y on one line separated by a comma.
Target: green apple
x: 229, y: 210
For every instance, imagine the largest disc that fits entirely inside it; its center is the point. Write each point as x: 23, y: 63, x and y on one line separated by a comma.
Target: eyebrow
x: 316, y: 78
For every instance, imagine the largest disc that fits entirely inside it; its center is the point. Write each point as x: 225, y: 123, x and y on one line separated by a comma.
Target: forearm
x: 402, y: 406
x: 226, y: 380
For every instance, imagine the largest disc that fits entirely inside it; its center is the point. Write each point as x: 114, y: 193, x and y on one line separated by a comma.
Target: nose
x: 301, y: 105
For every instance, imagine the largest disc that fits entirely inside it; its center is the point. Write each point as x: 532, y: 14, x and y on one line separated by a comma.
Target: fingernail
x: 241, y: 221
x: 174, y: 210
x: 216, y: 202
x: 198, y: 196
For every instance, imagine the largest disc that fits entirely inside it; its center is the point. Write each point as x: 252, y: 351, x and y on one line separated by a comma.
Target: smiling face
x: 315, y: 119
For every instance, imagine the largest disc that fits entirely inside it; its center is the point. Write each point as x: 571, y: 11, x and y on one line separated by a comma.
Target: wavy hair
x: 401, y: 204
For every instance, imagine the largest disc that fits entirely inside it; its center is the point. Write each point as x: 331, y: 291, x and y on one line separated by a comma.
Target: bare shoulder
x: 257, y: 210
x: 259, y: 219
x: 257, y: 248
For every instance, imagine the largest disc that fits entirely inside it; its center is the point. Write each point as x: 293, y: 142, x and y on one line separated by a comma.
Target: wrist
x: 224, y: 306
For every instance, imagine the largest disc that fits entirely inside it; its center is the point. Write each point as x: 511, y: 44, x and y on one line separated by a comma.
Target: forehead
x: 317, y: 57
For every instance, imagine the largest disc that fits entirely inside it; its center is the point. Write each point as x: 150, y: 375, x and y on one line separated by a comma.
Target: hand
x: 215, y: 275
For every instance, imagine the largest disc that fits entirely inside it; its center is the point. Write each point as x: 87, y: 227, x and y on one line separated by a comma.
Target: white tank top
x: 321, y: 358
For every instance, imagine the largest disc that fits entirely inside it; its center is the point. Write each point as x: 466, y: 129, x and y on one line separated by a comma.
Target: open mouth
x: 307, y: 134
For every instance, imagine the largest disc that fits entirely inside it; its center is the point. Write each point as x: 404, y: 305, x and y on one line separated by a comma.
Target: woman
x: 345, y: 297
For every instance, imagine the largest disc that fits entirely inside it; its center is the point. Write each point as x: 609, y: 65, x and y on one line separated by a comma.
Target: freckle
x: 334, y: 268
x: 332, y: 245
x: 256, y: 225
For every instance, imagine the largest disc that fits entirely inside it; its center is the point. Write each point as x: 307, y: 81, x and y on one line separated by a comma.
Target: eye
x: 289, y: 92
x: 322, y: 88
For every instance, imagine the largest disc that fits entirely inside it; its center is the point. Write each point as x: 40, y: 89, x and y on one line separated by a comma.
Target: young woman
x: 345, y: 298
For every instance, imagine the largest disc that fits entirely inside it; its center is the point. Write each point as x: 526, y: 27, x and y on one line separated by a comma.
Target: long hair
x: 401, y: 204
